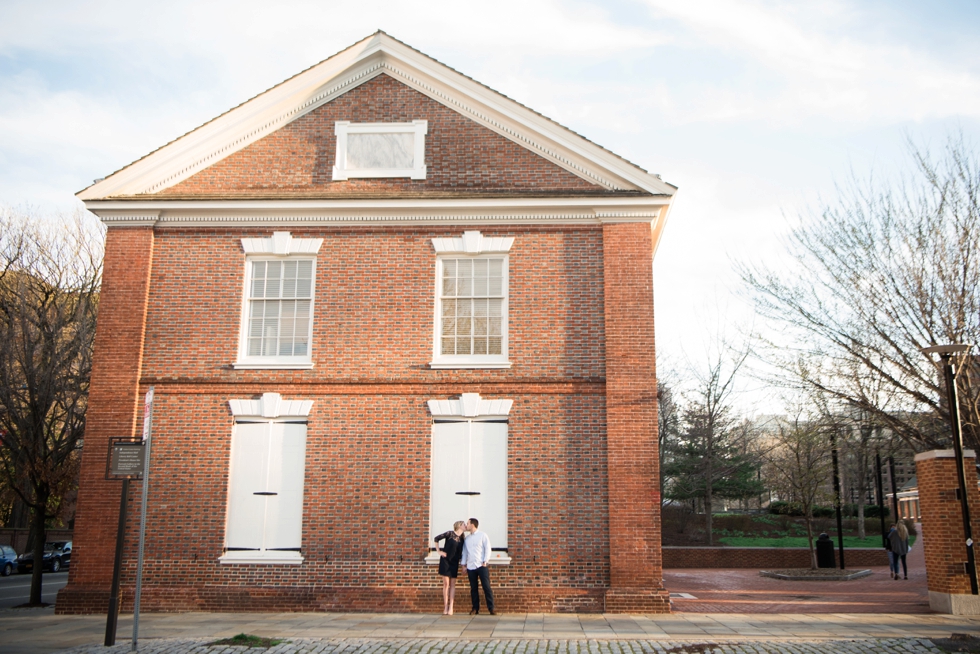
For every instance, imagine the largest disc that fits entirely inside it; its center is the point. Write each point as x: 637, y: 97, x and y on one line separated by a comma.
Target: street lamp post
x: 946, y: 354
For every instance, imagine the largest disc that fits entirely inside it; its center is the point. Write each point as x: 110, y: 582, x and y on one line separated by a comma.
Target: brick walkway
x: 744, y: 591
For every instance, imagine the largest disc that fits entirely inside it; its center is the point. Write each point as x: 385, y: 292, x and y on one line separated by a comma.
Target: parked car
x: 8, y: 559
x: 57, y: 555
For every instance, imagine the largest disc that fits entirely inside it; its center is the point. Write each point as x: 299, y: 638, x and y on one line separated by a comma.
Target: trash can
x: 825, y: 552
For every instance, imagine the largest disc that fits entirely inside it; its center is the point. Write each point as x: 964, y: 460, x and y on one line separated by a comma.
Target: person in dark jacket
x: 449, y: 555
x: 898, y: 543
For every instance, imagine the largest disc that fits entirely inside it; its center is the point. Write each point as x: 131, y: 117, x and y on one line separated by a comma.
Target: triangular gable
x: 570, y: 160
x: 462, y: 156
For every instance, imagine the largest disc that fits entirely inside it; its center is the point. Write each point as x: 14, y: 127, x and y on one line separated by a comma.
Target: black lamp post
x: 946, y: 354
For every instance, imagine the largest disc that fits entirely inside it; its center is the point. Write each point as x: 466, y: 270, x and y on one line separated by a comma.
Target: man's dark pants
x: 483, y: 575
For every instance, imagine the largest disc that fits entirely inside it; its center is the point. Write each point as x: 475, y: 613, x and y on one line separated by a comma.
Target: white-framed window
x: 471, y: 302
x: 277, y: 311
x: 264, y: 517
x: 469, y: 469
x: 380, y: 150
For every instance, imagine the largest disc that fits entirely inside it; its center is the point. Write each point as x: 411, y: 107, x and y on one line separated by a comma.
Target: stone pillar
x: 113, y: 406
x: 635, y: 561
x: 942, y: 529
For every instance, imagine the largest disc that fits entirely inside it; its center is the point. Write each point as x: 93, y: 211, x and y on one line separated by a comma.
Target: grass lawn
x: 800, y: 541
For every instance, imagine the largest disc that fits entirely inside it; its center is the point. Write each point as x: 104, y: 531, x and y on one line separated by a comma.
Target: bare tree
x: 879, y: 274
x: 800, y: 464
x: 50, y: 271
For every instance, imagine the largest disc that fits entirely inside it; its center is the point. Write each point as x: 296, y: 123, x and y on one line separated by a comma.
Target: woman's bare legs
x: 446, y: 597
x: 452, y: 594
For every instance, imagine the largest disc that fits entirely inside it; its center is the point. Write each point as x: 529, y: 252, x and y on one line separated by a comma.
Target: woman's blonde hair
x: 903, y: 531
x: 458, y: 524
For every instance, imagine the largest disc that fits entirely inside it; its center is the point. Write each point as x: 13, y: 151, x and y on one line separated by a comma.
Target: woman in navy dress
x: 449, y: 556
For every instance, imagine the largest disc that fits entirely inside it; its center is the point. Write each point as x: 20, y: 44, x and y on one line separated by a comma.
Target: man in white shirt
x: 476, y: 556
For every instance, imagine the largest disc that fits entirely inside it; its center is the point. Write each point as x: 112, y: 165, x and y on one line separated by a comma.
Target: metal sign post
x: 126, y: 461
x: 147, y: 429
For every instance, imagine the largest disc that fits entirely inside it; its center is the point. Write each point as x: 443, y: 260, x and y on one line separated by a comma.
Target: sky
x: 755, y: 110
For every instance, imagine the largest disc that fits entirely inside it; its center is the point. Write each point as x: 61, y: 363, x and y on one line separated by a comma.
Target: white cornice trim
x: 230, y: 213
x: 469, y: 405
x: 358, y: 64
x: 271, y: 405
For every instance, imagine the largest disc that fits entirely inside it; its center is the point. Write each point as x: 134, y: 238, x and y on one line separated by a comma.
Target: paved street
x: 16, y: 589
x: 534, y: 647
x: 39, y: 631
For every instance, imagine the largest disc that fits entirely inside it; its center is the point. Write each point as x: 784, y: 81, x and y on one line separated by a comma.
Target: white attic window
x: 380, y: 150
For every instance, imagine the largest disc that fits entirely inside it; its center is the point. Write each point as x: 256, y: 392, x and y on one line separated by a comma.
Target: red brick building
x: 377, y: 298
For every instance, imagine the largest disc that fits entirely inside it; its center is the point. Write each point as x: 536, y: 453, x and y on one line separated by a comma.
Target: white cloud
x: 826, y: 66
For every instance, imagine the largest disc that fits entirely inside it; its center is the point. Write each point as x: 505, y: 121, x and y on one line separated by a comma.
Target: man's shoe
x: 492, y: 612
x: 475, y: 612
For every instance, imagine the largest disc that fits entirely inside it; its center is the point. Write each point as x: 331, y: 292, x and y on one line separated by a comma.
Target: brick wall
x: 112, y: 406
x: 762, y: 558
x: 460, y: 154
x: 635, y: 565
x: 942, y: 520
x: 365, y: 527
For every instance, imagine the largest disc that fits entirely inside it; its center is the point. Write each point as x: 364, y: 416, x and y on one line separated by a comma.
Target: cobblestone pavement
x: 429, y: 646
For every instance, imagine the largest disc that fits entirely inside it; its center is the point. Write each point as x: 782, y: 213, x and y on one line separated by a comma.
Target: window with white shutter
x: 265, y: 492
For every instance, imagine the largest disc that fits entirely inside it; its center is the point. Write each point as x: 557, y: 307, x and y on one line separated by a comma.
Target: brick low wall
x: 761, y: 557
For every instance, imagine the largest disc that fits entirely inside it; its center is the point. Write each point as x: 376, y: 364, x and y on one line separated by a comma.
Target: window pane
x: 258, y: 279
x: 274, y: 270
x: 476, y: 312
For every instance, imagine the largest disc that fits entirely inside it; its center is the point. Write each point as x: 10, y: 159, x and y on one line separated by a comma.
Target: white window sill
x: 448, y: 364
x: 273, y: 365
x: 261, y: 558
x: 340, y: 174
x: 497, y: 558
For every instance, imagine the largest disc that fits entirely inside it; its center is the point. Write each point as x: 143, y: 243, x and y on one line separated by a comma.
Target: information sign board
x: 126, y: 459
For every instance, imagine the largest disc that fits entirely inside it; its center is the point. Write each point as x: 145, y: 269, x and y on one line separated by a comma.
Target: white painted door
x: 265, y: 494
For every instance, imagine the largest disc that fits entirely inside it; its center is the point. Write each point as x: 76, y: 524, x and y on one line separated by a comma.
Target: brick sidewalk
x: 744, y: 591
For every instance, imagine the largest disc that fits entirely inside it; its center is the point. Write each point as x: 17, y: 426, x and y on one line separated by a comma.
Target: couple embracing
x: 472, y: 549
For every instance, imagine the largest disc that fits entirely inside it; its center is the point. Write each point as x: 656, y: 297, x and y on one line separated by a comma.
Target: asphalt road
x: 16, y: 589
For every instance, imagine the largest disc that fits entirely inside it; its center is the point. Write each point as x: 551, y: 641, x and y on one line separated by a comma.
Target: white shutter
x: 450, y: 475
x: 490, y: 479
x: 469, y: 477
x: 247, y: 475
x: 265, y: 486
x: 284, y: 521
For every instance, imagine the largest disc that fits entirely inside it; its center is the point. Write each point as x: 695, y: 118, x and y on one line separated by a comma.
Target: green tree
x: 710, y: 458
